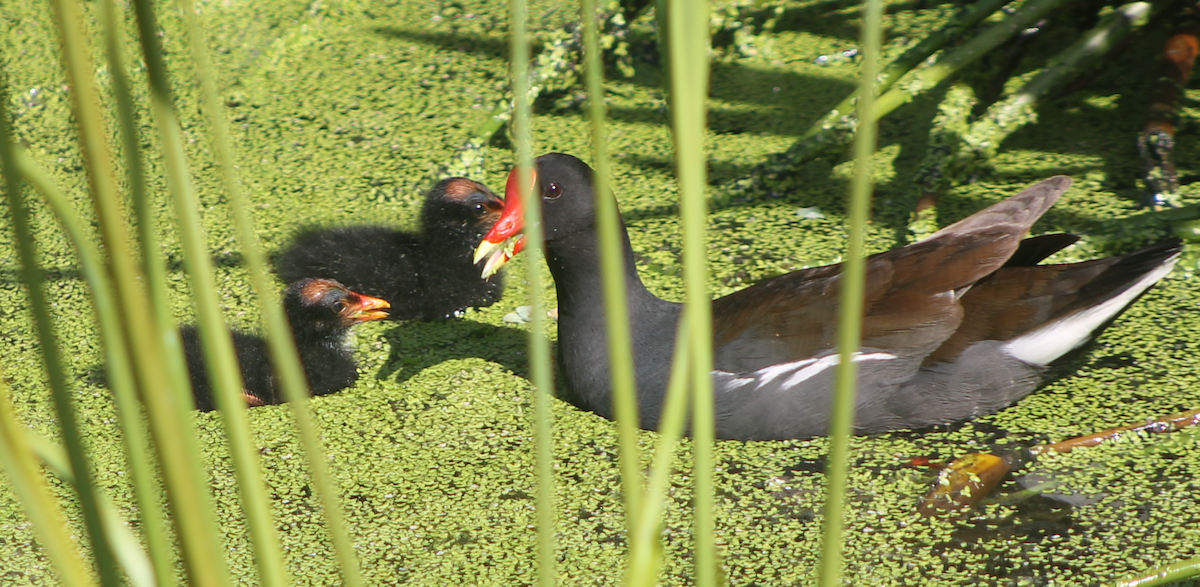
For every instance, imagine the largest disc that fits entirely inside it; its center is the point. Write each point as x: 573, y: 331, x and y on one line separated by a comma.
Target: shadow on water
x: 491, y: 47
x: 419, y: 345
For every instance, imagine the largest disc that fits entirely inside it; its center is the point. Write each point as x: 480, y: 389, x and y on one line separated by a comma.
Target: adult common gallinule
x: 958, y: 325
x: 426, y: 275
x: 321, y: 313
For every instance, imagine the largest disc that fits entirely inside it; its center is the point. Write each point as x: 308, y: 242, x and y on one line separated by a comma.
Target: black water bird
x: 426, y: 275
x: 321, y: 313
x: 958, y: 325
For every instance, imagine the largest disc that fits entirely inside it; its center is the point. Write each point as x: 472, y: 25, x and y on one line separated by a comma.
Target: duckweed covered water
x: 343, y: 110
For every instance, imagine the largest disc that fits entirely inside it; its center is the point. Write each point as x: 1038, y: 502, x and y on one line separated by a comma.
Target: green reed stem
x: 126, y: 547
x: 145, y: 479
x: 851, y: 304
x: 64, y: 406
x: 539, y: 346
x: 284, y: 355
x: 173, y: 429
x: 185, y: 482
x: 153, y: 261
x: 1164, y: 575
x: 162, y: 320
x: 612, y: 265
x: 26, y: 481
x: 216, y: 341
x: 645, y: 552
x: 689, y: 56
x: 119, y: 372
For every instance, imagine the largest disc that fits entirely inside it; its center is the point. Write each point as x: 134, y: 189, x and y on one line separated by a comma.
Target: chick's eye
x: 553, y: 191
x: 480, y: 209
x: 339, y: 306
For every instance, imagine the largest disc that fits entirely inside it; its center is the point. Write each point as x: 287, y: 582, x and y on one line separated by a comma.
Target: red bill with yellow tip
x: 505, y: 239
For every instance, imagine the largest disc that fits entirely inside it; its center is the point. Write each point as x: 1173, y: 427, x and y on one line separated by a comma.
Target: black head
x: 460, y: 206
x: 563, y: 183
x: 324, y: 307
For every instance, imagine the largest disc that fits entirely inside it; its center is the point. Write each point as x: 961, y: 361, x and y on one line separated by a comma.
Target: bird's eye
x: 339, y: 306
x: 553, y: 191
x: 480, y: 209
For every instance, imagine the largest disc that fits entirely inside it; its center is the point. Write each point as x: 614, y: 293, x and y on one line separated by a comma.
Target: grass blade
x: 119, y: 374
x: 173, y: 432
x: 689, y: 56
x: 539, y: 346
x: 154, y: 266
x: 49, y: 521
x: 851, y: 305
x: 215, y: 338
x: 32, y: 277
x: 646, y: 557
x: 612, y: 265
x: 126, y: 547
x: 283, y: 351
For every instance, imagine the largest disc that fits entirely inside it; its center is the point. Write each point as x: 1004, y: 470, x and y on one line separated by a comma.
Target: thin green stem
x: 851, y: 304
x: 119, y: 372
x: 282, y: 347
x: 646, y: 559
x: 1164, y: 575
x: 539, y: 346
x: 612, y: 265
x: 689, y: 56
x: 26, y: 481
x: 154, y: 264
x: 126, y: 547
x: 216, y: 341
x: 191, y: 505
x: 64, y: 406
x: 49, y: 522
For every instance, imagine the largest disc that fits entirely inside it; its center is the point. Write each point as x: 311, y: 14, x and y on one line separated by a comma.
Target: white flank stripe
x: 768, y: 374
x: 1044, y: 345
x: 832, y: 361
x: 800, y: 370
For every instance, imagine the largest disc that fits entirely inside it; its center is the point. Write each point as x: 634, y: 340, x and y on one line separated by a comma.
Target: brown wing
x: 1017, y: 300
x: 912, y: 293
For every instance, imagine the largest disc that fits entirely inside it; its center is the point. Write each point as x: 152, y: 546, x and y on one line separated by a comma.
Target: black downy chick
x: 426, y: 275
x: 321, y: 313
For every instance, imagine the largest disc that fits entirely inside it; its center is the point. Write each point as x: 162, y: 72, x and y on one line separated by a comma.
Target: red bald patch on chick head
x: 461, y: 188
x: 312, y: 292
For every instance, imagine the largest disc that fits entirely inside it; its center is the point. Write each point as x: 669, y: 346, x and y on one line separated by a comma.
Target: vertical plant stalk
x: 612, y: 265
x: 645, y: 553
x: 64, y: 406
x: 26, y: 481
x: 161, y: 322
x: 284, y: 356
x: 145, y: 479
x: 119, y: 372
x: 539, y: 346
x: 126, y: 547
x: 185, y: 483
x: 215, y: 338
x: 851, y: 304
x: 49, y: 522
x: 689, y: 55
